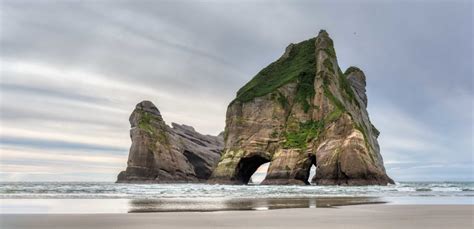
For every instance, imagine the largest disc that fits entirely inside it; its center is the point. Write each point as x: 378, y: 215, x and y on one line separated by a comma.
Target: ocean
x: 94, y: 197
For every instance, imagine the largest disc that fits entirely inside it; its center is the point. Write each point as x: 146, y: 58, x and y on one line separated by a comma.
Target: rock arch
x: 302, y: 110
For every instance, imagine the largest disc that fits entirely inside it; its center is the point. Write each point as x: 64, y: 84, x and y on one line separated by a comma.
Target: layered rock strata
x: 299, y: 111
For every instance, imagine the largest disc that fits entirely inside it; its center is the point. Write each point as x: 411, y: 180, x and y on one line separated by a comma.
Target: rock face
x: 299, y: 111
x: 161, y: 154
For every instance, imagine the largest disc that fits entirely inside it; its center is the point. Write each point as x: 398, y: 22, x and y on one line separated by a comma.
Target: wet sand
x: 110, y: 206
x: 355, y: 216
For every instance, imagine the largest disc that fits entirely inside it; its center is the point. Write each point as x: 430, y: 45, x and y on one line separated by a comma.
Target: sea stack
x: 161, y: 154
x: 299, y: 111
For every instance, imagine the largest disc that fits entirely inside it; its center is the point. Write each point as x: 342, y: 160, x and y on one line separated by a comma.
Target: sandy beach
x: 357, y: 216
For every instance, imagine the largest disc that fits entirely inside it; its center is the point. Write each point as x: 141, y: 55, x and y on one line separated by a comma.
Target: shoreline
x: 93, y: 206
x: 353, y: 216
x: 145, y: 205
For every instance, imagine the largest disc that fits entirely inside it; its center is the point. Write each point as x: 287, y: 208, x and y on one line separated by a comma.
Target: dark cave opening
x: 247, y: 167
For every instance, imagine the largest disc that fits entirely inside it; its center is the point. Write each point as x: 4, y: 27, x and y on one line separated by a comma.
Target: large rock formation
x: 161, y: 154
x: 299, y: 111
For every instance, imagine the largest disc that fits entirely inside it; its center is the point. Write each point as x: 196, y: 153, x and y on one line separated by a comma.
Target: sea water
x: 93, y: 197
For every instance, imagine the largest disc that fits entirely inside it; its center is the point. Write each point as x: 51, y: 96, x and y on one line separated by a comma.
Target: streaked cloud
x: 71, y: 72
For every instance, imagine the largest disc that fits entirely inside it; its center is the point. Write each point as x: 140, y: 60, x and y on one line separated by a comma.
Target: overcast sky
x: 72, y: 72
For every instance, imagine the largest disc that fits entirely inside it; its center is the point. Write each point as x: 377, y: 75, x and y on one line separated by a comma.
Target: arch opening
x: 312, y: 173
x: 311, y: 169
x: 259, y: 174
x: 247, y: 167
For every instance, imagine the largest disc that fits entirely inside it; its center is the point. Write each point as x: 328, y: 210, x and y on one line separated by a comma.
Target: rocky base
x: 353, y: 182
x: 283, y: 182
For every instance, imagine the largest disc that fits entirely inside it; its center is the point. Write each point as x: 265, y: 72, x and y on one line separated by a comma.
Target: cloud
x: 414, y: 150
x: 70, y: 155
x: 30, y: 163
x: 71, y: 72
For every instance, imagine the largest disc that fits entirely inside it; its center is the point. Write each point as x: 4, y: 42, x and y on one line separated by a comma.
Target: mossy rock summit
x: 299, y: 111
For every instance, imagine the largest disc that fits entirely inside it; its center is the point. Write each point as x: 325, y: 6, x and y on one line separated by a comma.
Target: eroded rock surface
x: 299, y: 111
x: 161, y: 154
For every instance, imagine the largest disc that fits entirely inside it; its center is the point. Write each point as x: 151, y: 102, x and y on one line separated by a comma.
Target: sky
x: 71, y: 73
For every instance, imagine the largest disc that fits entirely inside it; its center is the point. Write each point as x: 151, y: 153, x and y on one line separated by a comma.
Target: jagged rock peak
x: 149, y: 107
x: 287, y: 52
x: 358, y: 82
x: 323, y: 40
x: 352, y: 69
x: 323, y: 33
x: 184, y: 127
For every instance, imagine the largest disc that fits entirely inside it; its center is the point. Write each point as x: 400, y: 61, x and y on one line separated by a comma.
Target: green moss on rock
x: 145, y: 123
x: 300, y: 61
x: 283, y: 100
x: 328, y: 64
x: 330, y: 48
x: 335, y: 101
x: 299, y: 138
x: 305, y: 90
x: 149, y: 124
x: 333, y: 116
x: 274, y: 134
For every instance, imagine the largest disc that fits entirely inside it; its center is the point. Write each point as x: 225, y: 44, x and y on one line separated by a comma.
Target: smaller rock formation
x: 161, y: 154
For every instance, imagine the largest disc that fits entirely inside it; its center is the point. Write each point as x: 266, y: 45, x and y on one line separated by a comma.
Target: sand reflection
x: 223, y: 204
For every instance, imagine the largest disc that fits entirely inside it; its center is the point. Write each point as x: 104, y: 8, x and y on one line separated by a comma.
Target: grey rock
x: 357, y: 79
x: 161, y: 154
